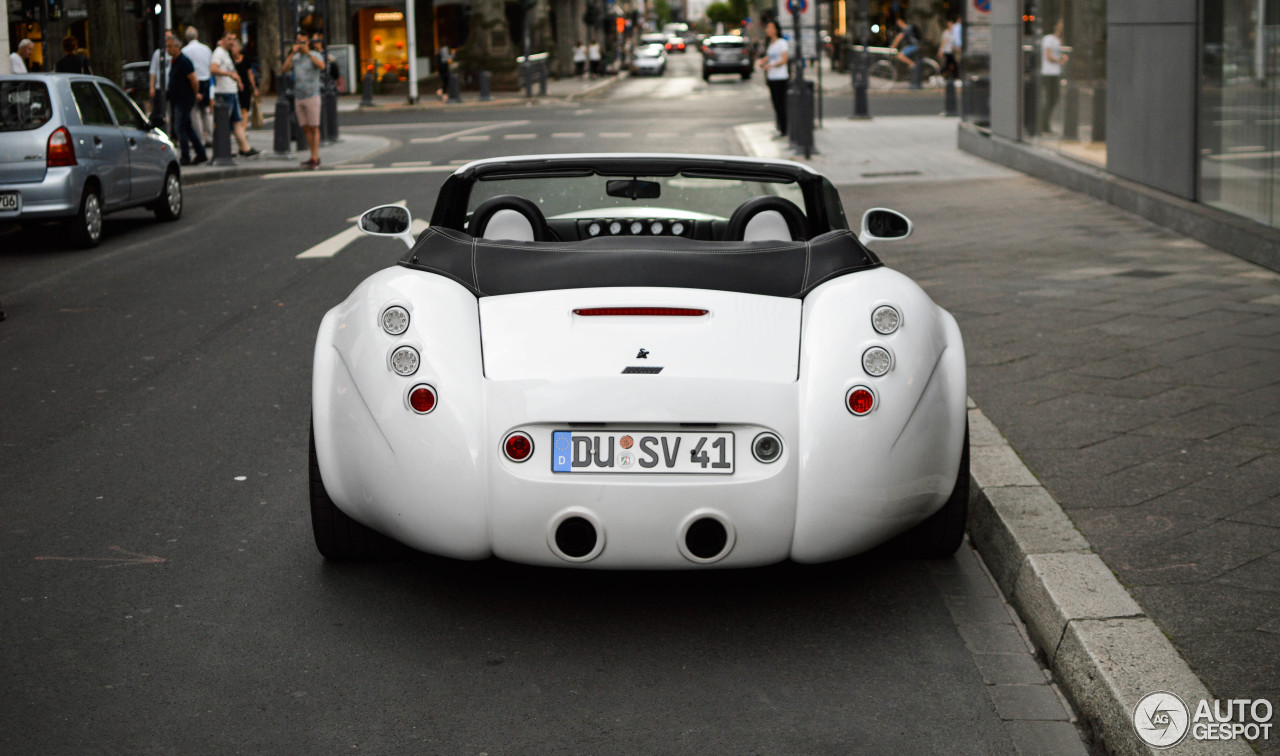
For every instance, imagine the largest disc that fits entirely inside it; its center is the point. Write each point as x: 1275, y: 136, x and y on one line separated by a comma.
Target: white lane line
x: 465, y: 132
x: 471, y: 137
x: 584, y: 111
x: 567, y: 135
x: 615, y: 135
x: 361, y: 172
x: 412, y: 164
x: 663, y: 134
x: 520, y: 136
x: 347, y: 167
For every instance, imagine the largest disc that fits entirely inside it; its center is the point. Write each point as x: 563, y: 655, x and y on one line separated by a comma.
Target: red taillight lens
x: 422, y: 399
x: 860, y: 400
x: 518, y: 446
x: 664, y: 311
x: 61, y: 152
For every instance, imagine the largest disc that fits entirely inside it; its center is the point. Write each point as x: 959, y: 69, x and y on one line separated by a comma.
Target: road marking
x: 567, y: 135
x: 133, y: 558
x: 412, y: 164
x: 584, y: 111
x: 465, y: 132
x: 615, y: 135
x: 336, y: 243
x: 520, y: 136
x: 352, y: 166
x: 362, y: 172
x: 663, y: 134
x: 474, y: 138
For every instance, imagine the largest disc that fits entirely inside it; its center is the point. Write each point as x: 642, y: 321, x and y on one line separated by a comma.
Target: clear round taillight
x: 876, y: 361
x: 518, y: 446
x: 422, y: 398
x: 766, y: 448
x: 395, y: 320
x: 405, y: 360
x: 885, y: 319
x: 860, y: 400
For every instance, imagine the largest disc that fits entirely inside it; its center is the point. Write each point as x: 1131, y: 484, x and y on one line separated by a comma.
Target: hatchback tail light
x: 62, y: 151
x: 518, y: 446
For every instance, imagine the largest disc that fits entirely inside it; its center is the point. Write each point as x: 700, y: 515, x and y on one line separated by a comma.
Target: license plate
x: 671, y: 452
x: 10, y: 202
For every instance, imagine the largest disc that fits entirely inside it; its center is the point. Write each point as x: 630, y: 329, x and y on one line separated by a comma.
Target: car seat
x: 767, y: 218
x: 510, y: 218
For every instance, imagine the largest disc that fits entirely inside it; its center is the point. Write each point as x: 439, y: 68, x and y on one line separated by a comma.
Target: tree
x: 662, y: 11
x: 104, y: 30
x: 728, y: 13
x: 488, y: 46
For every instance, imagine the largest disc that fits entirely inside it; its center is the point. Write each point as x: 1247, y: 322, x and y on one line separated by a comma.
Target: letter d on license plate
x: 672, y: 452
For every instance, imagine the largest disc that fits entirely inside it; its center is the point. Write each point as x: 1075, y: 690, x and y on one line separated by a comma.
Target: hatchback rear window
x: 24, y: 105
x: 728, y: 43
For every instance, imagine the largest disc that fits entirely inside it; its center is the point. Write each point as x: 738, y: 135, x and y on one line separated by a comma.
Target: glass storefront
x: 382, y: 38
x: 1239, y: 134
x: 1064, y: 73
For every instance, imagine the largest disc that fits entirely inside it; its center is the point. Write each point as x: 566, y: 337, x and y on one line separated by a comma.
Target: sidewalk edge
x: 1100, y: 645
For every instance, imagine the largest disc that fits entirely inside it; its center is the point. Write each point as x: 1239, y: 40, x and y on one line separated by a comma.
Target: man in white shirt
x: 18, y: 60
x: 1051, y: 61
x: 226, y: 90
x: 199, y: 54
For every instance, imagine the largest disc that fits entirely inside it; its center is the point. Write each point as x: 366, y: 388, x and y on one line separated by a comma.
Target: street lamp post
x: 860, y: 72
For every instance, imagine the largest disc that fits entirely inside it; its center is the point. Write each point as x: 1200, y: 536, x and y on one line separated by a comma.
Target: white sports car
x: 638, y: 362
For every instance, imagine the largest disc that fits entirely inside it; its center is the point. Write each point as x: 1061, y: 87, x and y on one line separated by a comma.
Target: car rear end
x: 39, y: 176
x: 726, y: 55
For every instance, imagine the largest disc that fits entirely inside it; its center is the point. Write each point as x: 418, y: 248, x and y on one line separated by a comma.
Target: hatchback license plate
x: 10, y: 202
x: 671, y: 452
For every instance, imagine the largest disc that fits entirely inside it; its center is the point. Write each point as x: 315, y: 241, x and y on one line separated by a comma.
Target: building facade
x: 1179, y: 96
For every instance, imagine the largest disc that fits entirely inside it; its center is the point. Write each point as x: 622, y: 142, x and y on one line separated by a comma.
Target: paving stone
x: 1054, y: 589
x: 1203, y: 555
x: 993, y: 639
x: 1267, y: 513
x: 1027, y: 702
x: 1015, y: 522
x: 978, y: 610
x: 1206, y: 608
x: 1261, y: 574
x: 1010, y: 669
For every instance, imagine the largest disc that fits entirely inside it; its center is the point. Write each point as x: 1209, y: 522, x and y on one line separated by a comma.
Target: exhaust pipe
x: 576, y: 537
x: 706, y: 538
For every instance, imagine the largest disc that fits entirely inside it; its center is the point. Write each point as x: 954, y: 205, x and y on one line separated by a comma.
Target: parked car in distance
x: 726, y: 54
x: 73, y: 148
x: 650, y: 59
x: 137, y: 82
x: 675, y: 44
x: 654, y: 38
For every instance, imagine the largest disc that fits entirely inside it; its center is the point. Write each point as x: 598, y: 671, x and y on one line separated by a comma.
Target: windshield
x: 678, y: 196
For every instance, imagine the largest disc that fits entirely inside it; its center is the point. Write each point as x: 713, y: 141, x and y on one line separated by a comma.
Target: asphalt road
x: 160, y: 592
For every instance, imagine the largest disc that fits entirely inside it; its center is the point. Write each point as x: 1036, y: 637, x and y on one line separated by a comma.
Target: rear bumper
x: 58, y: 195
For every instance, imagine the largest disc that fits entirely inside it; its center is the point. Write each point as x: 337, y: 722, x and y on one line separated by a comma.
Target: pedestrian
x: 306, y: 64
x: 20, y: 60
x: 774, y: 64
x: 73, y: 59
x: 184, y: 93
x: 907, y: 42
x: 199, y: 54
x: 950, y: 66
x: 226, y: 88
x: 445, y: 57
x: 579, y: 59
x: 1052, y: 59
x: 593, y: 58
x: 248, y: 94
x: 153, y: 71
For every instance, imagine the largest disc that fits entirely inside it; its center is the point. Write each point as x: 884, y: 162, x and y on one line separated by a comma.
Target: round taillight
x: 422, y: 399
x: 395, y: 320
x: 405, y: 361
x: 518, y: 446
x: 860, y: 400
x: 885, y: 319
x: 876, y: 361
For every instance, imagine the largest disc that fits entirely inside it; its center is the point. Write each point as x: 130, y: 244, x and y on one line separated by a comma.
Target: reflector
x: 663, y: 311
x: 861, y: 401
x: 422, y: 399
x: 518, y: 446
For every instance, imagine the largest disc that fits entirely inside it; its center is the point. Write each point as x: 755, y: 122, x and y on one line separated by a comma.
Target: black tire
x: 939, y: 536
x: 85, y: 229
x: 338, y: 537
x: 746, y: 75
x: 168, y: 206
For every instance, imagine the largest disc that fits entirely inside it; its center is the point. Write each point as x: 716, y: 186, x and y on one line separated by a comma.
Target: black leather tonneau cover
x: 779, y: 269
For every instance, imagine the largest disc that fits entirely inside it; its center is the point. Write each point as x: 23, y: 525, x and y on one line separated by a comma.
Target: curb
x: 1096, y: 640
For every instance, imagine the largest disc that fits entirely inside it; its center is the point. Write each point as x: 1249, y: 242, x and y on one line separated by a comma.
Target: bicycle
x: 886, y: 70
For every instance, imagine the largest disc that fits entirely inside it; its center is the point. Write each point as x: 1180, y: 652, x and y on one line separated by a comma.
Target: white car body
x: 650, y: 59
x: 753, y: 364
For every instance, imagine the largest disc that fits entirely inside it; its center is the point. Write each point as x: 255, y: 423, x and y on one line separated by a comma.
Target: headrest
x: 767, y: 218
x: 508, y: 217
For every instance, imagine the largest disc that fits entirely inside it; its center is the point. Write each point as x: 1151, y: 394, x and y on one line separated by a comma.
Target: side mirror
x: 883, y: 224
x: 388, y: 220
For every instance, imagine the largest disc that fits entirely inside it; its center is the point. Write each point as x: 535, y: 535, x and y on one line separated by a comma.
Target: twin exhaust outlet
x: 704, y: 537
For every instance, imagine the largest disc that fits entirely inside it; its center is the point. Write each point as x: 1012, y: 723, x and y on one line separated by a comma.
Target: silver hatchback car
x: 75, y: 147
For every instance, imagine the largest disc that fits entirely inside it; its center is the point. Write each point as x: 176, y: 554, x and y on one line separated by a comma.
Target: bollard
x: 526, y: 76
x: 859, y: 71
x: 800, y: 116
x: 485, y: 94
x: 455, y: 90
x: 917, y: 74
x: 366, y: 90
x: 280, y: 135
x: 953, y: 102
x: 222, y: 133
x: 1071, y: 112
x: 1099, y: 112
x: 329, y: 115
x: 542, y: 80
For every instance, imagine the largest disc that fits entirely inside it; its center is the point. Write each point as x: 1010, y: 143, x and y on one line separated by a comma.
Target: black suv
x: 726, y: 55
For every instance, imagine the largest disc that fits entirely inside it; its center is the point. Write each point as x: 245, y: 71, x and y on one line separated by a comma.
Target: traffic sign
x: 797, y: 6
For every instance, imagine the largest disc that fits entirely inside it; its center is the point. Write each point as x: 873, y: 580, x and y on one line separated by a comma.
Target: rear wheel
x: 939, y: 536
x: 85, y: 229
x: 338, y: 537
x: 168, y: 205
